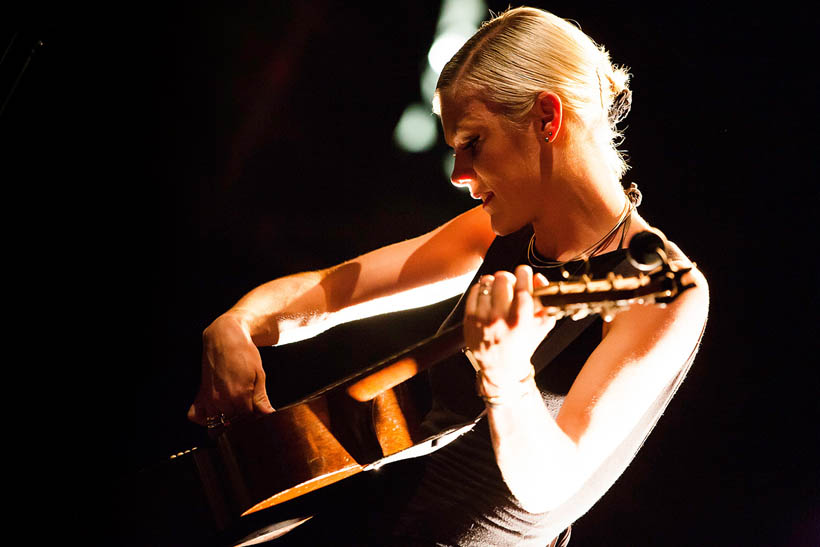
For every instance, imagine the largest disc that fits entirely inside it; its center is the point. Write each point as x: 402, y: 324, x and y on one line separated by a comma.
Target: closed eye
x: 469, y: 145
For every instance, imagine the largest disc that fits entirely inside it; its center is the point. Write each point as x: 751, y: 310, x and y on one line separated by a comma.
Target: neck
x: 579, y: 209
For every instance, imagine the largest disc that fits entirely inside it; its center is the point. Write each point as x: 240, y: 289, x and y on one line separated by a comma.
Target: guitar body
x: 317, y: 442
x: 237, y: 486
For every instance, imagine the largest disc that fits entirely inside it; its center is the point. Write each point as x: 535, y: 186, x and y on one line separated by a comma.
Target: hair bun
x: 621, y: 105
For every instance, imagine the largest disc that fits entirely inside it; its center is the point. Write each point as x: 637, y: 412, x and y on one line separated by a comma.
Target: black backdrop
x: 163, y: 160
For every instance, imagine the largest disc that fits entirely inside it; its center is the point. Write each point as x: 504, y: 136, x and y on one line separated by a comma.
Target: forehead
x: 462, y: 113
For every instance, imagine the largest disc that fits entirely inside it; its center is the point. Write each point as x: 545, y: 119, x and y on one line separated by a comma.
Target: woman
x: 530, y: 106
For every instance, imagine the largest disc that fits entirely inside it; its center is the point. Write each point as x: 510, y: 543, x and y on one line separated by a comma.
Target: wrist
x: 228, y: 321
x: 497, y: 392
x: 257, y: 331
x: 226, y: 327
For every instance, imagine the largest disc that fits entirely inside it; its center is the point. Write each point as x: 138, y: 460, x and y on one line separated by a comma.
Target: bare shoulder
x: 474, y: 228
x: 454, y: 248
x: 657, y: 340
x: 447, y: 255
x: 692, y: 301
x: 672, y: 330
x: 642, y: 350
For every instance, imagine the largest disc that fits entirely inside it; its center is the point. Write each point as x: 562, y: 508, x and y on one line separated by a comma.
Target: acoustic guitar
x: 222, y: 494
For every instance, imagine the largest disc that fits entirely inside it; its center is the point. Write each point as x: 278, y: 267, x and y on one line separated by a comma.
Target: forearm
x: 233, y: 378
x: 408, y: 274
x: 284, y: 310
x: 536, y: 458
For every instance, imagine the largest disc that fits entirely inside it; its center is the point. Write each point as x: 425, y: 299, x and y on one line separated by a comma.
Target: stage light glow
x: 463, y: 15
x: 429, y: 79
x: 444, y: 47
x: 447, y: 163
x: 416, y: 130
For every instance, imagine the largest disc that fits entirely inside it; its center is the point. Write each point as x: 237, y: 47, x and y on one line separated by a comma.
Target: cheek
x: 520, y: 174
x: 504, y: 164
x: 512, y: 162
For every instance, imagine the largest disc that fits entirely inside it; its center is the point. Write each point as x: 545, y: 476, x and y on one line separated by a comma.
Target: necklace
x: 634, y: 198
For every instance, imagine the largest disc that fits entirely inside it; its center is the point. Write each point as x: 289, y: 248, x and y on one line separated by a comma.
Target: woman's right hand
x: 233, y: 380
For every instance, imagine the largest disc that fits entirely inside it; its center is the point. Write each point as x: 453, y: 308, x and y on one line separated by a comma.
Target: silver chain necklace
x: 634, y: 198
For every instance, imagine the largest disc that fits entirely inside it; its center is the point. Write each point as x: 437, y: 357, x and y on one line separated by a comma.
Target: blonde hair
x: 524, y: 51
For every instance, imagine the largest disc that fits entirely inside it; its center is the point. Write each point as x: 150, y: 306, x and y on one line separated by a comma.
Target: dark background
x: 162, y: 160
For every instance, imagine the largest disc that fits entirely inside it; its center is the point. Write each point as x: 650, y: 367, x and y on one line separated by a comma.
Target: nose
x: 463, y: 173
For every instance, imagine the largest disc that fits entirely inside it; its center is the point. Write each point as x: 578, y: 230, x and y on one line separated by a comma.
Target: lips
x: 486, y: 198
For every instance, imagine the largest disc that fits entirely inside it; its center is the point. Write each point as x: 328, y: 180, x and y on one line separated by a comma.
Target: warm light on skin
x: 413, y: 298
x: 563, y: 187
x: 498, y: 160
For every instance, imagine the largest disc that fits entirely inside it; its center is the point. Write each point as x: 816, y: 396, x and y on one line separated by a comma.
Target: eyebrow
x: 471, y: 136
x: 468, y: 124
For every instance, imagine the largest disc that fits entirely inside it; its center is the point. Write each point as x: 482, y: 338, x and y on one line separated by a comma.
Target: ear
x: 549, y: 113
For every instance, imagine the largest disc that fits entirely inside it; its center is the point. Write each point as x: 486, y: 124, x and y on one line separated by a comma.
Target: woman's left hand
x: 503, y: 324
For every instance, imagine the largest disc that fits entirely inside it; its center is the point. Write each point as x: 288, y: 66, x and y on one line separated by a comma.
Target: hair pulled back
x: 524, y: 51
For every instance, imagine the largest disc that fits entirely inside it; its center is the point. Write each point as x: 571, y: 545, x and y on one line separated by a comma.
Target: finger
x: 261, y: 403
x: 471, y: 305
x: 471, y: 326
x: 502, y: 295
x: 237, y: 396
x: 522, y: 304
x: 243, y: 403
x: 200, y: 411
x: 196, y: 414
x: 523, y: 279
x: 484, y: 299
x: 547, y: 323
x: 538, y: 282
x: 229, y: 396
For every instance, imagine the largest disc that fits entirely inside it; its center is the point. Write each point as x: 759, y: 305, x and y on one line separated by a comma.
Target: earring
x: 547, y: 138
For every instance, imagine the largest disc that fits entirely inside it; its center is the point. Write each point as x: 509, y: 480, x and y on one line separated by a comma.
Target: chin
x: 501, y: 228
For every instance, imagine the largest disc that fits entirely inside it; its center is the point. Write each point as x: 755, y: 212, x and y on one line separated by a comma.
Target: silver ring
x: 212, y: 422
x: 484, y: 288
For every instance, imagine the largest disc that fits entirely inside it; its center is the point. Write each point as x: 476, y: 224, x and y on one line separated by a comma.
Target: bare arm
x: 544, y: 460
x: 408, y: 274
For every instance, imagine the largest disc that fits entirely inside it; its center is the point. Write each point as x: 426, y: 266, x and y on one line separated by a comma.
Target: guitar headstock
x: 658, y: 282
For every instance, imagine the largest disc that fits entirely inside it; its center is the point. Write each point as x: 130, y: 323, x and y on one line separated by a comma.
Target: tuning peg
x: 647, y: 250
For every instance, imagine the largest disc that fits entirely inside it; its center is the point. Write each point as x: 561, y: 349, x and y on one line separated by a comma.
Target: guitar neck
x: 576, y: 298
x: 403, y: 366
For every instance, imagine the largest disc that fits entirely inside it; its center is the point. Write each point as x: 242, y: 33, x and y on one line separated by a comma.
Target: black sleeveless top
x: 456, y: 495
x: 461, y: 498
